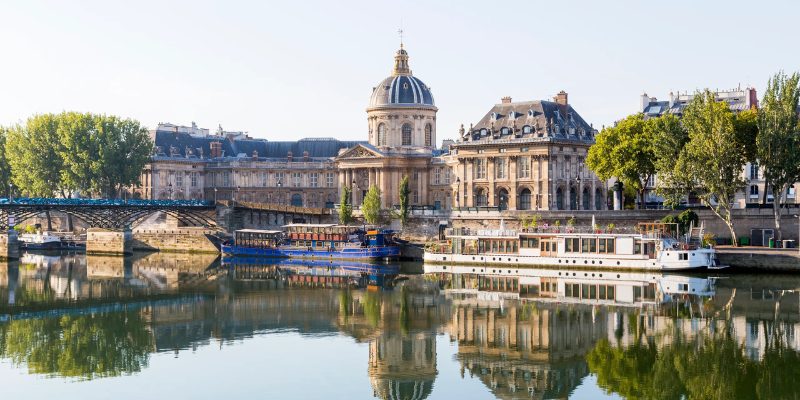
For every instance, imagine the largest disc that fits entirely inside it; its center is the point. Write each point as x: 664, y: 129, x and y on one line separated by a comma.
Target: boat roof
x: 258, y: 231
x: 312, y: 225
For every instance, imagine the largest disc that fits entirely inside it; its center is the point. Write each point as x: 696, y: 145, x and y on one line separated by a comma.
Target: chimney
x: 561, y: 98
x: 752, y: 98
x: 671, y: 99
x: 305, y: 156
x: 644, y: 101
x: 216, y: 149
x: 505, y: 100
x: 255, y: 155
x: 289, y: 156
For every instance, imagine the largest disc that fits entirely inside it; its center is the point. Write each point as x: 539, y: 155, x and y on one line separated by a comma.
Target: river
x: 174, y: 326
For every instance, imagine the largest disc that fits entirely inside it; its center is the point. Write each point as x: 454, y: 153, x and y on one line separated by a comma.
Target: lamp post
x: 236, y: 195
x: 169, y: 189
x: 215, y: 195
x: 353, y: 193
x: 11, y: 193
x: 578, y: 193
x: 458, y: 192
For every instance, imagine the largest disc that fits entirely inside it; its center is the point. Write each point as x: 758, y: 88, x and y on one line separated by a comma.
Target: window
x: 406, y: 134
x: 264, y: 179
x: 179, y: 179
x: 297, y: 200
x: 226, y: 178
x: 415, y: 197
x: 279, y: 179
x: 523, y: 167
x: 753, y: 191
x: 447, y: 175
x: 314, y: 179
x: 329, y: 179
x: 297, y: 179
x: 754, y: 171
x: 526, y: 129
x: 572, y: 245
x: 437, y: 176
x: 194, y: 179
x: 505, y: 131
x: 500, y: 168
x: 480, y: 168
x: 481, y: 199
x: 790, y: 192
x: 382, y: 134
x: 428, y: 135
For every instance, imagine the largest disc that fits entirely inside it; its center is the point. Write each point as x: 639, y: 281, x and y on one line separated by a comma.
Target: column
x: 467, y: 195
x: 490, y: 174
x: 593, y: 195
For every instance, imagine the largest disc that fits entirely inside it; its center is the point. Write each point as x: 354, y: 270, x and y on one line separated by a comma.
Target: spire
x: 401, y: 59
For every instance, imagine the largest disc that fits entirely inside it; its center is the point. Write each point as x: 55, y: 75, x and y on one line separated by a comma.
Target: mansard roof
x: 539, y: 118
x: 177, y: 144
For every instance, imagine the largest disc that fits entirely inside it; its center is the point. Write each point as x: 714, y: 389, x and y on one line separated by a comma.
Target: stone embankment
x: 759, y: 259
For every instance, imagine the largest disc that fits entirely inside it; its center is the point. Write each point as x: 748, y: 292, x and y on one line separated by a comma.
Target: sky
x: 284, y: 70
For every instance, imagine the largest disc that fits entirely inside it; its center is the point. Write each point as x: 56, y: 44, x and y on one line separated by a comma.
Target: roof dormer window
x: 526, y: 129
x: 505, y: 131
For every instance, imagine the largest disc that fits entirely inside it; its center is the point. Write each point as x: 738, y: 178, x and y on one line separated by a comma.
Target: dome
x: 402, y: 88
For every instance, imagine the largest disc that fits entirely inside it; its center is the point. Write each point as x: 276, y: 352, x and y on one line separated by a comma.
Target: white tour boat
x: 651, y: 246
x: 39, y: 241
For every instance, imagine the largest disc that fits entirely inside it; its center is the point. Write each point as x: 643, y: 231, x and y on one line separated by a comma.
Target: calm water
x: 187, y: 326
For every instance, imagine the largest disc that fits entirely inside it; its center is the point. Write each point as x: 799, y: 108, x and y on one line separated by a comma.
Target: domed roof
x: 402, y: 88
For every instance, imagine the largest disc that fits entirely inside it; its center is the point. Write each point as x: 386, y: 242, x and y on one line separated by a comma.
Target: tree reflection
x: 709, y: 366
x: 85, y: 346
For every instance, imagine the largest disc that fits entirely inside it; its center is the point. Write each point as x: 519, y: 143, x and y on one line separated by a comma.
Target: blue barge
x: 314, y: 241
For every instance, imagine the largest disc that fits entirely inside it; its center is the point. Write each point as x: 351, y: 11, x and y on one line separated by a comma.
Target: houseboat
x: 39, y: 241
x: 571, y: 286
x: 651, y: 246
x: 315, y: 241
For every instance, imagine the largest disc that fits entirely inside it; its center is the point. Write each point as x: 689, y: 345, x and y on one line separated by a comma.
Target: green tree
x: 33, y: 153
x: 712, y: 161
x: 78, y: 151
x: 745, y: 127
x: 345, y: 207
x: 5, y: 169
x: 625, y: 152
x: 124, y: 147
x: 372, y: 205
x: 778, y: 140
x: 669, y: 138
x: 404, y: 193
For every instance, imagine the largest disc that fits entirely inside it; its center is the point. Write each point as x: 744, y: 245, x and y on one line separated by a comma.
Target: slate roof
x: 176, y: 144
x: 401, y: 90
x: 543, y: 118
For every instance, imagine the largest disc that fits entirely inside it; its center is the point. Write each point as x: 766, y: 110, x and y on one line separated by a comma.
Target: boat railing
x: 463, y: 231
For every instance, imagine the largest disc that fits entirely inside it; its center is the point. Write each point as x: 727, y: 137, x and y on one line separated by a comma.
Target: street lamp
x: 353, y: 193
x: 215, y: 195
x: 236, y: 198
x: 458, y: 192
x: 11, y: 193
x: 280, y: 183
x: 169, y: 188
x: 578, y: 193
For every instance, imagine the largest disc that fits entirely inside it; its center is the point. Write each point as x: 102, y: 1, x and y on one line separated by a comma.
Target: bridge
x: 108, y: 213
x: 255, y: 214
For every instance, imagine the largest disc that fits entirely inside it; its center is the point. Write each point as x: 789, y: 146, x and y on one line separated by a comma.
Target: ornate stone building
x: 527, y: 156
x: 524, y: 155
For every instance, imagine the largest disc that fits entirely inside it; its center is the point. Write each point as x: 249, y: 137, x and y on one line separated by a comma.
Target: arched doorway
x: 297, y: 200
x: 502, y: 199
x: 573, y: 198
x: 559, y: 199
x: 599, y: 199
x: 524, y: 202
x: 587, y: 199
x: 481, y: 200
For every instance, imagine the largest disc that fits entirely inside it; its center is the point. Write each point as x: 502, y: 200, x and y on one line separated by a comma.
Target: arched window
x: 505, y: 131
x: 526, y: 129
x: 524, y: 200
x: 382, y: 135
x: 428, y: 135
x: 406, y: 134
x: 481, y: 199
x: 297, y: 200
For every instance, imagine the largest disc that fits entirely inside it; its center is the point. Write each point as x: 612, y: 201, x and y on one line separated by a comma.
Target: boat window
x: 592, y: 245
x: 585, y: 245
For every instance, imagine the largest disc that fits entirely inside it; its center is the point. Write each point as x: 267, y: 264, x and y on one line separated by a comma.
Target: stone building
x: 527, y: 155
x: 524, y: 155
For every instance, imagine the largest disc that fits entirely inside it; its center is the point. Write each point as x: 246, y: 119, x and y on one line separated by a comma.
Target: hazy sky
x: 283, y: 70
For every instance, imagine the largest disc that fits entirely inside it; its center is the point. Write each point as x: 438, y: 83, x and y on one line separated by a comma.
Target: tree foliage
x: 5, y: 169
x: 404, y: 193
x: 711, y: 163
x: 778, y: 141
x: 345, y: 206
x: 669, y: 138
x: 372, y: 205
x: 68, y: 153
x: 625, y: 152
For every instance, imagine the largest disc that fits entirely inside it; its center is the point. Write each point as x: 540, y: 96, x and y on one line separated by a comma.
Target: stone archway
x: 524, y: 202
x: 573, y: 198
x: 502, y: 199
x: 586, y: 199
x: 559, y: 199
x: 599, y: 199
x: 481, y: 197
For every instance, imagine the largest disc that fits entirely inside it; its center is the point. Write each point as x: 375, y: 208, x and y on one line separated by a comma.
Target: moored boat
x: 39, y: 241
x: 314, y: 241
x: 651, y: 246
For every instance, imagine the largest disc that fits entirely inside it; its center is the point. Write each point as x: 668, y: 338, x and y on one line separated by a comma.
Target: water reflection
x: 516, y: 333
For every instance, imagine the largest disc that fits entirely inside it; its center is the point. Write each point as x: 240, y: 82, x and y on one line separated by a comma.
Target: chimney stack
x: 561, y: 98
x: 505, y: 100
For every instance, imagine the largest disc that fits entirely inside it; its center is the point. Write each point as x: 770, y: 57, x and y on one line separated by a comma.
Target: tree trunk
x: 49, y: 221
x: 777, y: 199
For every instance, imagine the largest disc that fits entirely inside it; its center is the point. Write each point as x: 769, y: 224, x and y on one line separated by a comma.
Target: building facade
x: 520, y: 155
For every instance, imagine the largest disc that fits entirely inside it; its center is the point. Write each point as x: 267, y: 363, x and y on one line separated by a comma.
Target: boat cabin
x: 322, y: 235
x: 258, y: 238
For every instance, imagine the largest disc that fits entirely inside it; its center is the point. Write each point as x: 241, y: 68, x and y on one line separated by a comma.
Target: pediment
x: 360, y: 151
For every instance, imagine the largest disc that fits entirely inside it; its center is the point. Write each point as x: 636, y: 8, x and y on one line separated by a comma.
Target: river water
x: 191, y: 326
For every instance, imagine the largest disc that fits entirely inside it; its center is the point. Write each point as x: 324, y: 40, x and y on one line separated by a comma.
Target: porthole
x: 509, y: 271
x: 559, y: 261
x: 445, y: 267
x: 517, y: 271
x: 617, y: 262
x: 573, y: 274
x: 592, y: 262
x: 617, y: 275
x: 585, y: 274
x: 586, y: 261
x: 559, y: 274
x: 509, y: 259
x: 592, y: 275
x: 601, y: 275
x: 574, y: 261
x: 473, y: 258
x: 473, y: 270
x: 601, y: 263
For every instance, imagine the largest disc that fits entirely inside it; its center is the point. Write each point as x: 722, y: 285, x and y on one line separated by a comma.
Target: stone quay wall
x: 108, y: 241
x: 9, y: 246
x: 187, y: 239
